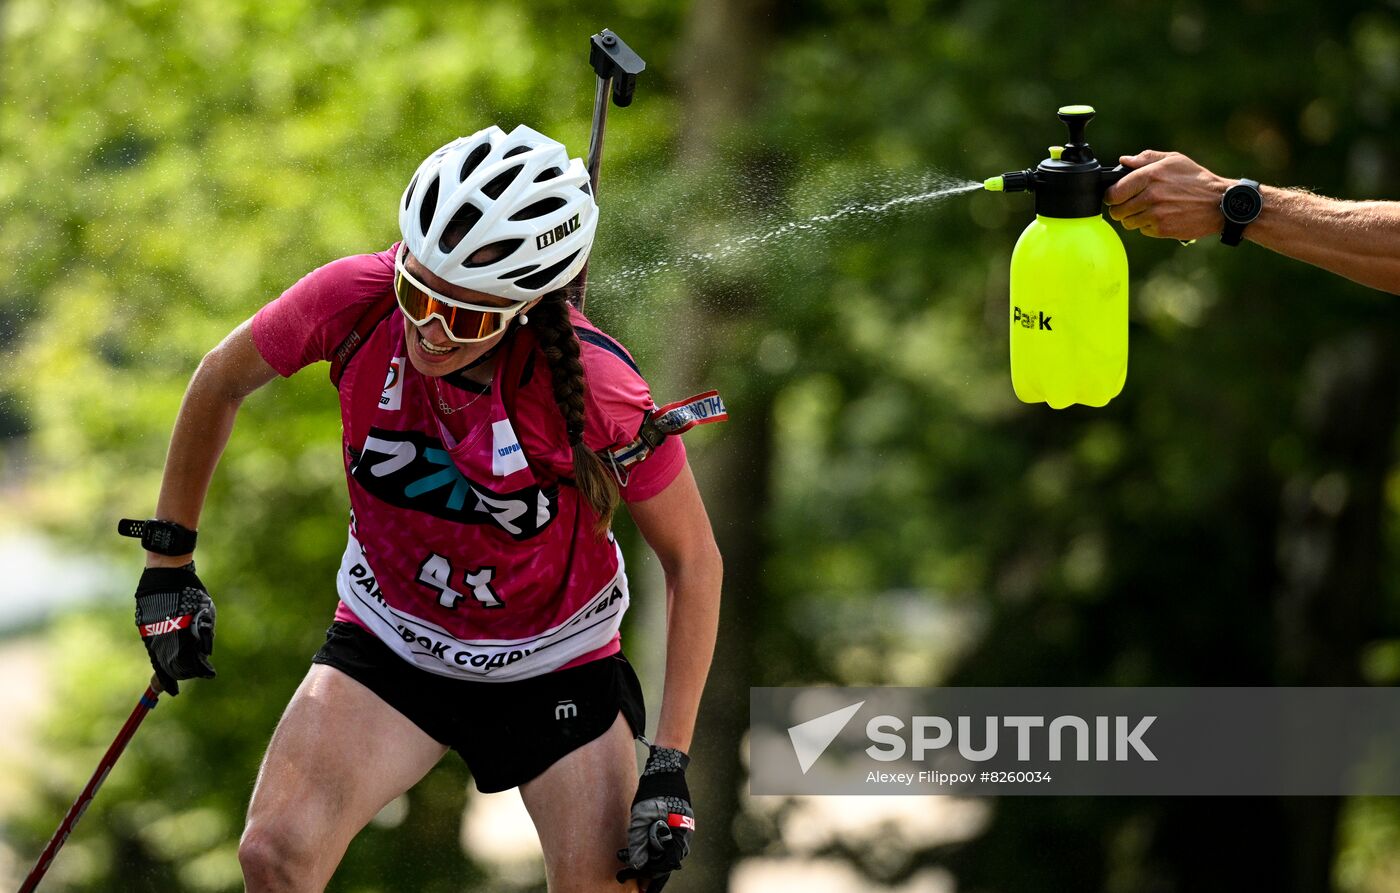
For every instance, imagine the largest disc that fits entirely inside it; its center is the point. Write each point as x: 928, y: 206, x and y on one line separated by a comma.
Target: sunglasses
x: 465, y: 323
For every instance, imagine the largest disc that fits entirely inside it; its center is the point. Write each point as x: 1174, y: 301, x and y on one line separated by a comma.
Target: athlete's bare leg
x: 323, y: 778
x: 580, y: 806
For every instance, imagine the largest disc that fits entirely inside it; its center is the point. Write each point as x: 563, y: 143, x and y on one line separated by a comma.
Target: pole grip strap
x: 663, y: 422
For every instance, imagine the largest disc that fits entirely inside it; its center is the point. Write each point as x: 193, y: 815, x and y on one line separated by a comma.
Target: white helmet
x: 518, y: 190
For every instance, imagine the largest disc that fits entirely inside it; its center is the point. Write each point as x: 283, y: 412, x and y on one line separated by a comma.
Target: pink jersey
x: 470, y: 552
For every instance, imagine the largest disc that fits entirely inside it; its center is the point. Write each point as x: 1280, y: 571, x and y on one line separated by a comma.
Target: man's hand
x: 1168, y: 196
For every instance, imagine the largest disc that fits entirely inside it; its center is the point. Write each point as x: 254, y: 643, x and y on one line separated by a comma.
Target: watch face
x: 1241, y: 204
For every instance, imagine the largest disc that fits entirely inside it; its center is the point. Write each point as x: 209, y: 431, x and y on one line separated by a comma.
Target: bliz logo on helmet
x: 1028, y: 320
x: 545, y: 239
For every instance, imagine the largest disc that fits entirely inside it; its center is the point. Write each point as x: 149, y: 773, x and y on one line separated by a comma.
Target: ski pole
x: 616, y: 66
x: 75, y: 812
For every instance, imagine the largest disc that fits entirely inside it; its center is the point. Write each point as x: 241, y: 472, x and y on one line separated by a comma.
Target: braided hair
x: 555, y: 331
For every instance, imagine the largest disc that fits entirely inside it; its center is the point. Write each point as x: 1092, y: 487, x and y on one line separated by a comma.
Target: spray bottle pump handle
x: 1076, y: 118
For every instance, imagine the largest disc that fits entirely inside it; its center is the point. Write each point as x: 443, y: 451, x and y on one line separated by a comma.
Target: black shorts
x: 507, y: 732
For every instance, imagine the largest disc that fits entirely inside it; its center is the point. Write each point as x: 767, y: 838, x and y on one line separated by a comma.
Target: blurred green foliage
x: 166, y: 168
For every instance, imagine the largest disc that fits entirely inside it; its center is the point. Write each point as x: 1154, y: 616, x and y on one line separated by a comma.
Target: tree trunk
x: 721, y: 53
x: 1332, y: 549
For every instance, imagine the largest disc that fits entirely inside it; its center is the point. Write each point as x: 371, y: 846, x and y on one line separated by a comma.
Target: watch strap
x: 161, y: 537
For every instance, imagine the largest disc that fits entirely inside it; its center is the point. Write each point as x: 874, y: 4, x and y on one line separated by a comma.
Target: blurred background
x: 889, y: 513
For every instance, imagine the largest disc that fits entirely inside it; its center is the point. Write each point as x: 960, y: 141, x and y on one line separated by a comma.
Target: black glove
x: 658, y: 836
x: 176, y: 618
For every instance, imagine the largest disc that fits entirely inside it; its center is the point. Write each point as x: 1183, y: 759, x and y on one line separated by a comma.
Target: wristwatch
x: 1241, y: 205
x: 161, y: 537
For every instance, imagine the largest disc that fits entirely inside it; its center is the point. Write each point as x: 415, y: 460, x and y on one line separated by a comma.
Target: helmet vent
x: 408, y: 193
x: 520, y: 272
x: 460, y: 224
x: 543, y: 277
x: 499, y: 183
x: 539, y: 208
x: 505, y: 248
x: 516, y: 151
x: 428, y: 207
x: 548, y: 174
x: 473, y: 159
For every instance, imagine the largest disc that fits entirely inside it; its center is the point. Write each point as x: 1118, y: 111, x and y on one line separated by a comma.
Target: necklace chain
x: 449, y: 410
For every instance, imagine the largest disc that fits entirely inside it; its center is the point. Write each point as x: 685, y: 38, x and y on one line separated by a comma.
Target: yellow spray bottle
x: 1069, y: 279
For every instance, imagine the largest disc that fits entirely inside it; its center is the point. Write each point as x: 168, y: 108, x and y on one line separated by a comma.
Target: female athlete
x: 489, y: 432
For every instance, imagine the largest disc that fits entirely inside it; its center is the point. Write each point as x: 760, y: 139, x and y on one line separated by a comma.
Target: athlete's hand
x: 176, y: 618
x: 658, y: 837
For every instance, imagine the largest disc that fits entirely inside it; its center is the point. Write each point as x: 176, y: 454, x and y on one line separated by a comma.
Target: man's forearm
x: 1358, y: 240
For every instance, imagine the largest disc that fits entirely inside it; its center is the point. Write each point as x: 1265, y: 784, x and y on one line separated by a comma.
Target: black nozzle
x: 613, y: 59
x: 1011, y: 181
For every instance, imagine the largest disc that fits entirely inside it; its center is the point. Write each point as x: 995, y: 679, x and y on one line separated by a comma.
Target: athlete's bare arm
x: 1169, y: 196
x: 675, y: 525
x: 228, y: 373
